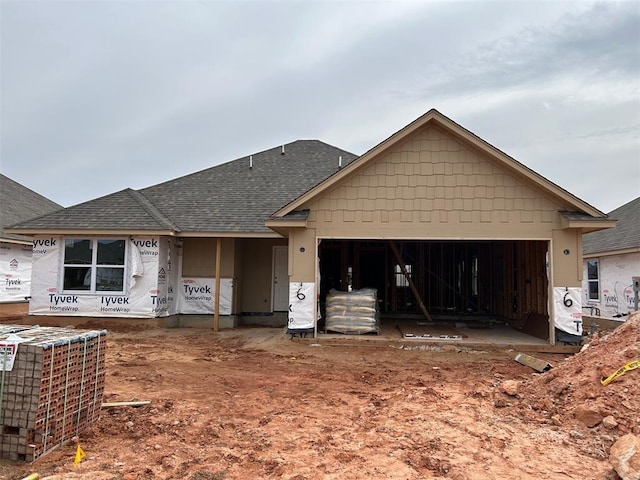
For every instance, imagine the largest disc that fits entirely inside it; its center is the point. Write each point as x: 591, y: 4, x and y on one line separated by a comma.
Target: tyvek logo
x: 154, y: 296
x: 11, y: 283
x: 13, y: 264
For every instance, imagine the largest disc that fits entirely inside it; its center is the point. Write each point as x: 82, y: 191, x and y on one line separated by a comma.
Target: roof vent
x: 250, y: 161
x: 282, y: 150
x: 340, y: 161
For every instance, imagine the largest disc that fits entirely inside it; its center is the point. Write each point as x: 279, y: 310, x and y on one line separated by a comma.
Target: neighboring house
x: 17, y: 204
x: 477, y: 232
x: 611, y: 260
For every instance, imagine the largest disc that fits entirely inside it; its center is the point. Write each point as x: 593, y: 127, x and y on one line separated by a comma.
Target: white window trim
x: 94, y: 266
x: 593, y: 280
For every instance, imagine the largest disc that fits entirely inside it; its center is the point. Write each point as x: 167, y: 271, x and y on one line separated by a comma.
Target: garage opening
x: 477, y: 282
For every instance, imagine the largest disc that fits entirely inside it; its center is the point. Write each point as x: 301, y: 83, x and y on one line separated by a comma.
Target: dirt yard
x: 251, y: 403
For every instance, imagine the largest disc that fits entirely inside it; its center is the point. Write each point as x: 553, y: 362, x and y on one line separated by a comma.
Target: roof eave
x: 621, y: 251
x: 89, y: 231
x: 16, y: 241
x: 196, y: 234
x: 588, y: 226
x: 284, y: 222
x: 283, y: 225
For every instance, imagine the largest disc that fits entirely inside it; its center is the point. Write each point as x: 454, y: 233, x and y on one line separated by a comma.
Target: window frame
x: 595, y: 280
x: 401, y: 280
x: 93, y: 267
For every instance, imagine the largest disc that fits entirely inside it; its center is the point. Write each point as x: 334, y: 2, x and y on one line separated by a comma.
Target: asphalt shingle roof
x: 229, y: 198
x: 18, y: 204
x: 123, y: 210
x: 235, y: 198
x: 626, y: 233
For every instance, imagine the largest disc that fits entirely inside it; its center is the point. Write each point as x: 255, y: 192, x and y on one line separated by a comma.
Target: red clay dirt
x: 252, y: 403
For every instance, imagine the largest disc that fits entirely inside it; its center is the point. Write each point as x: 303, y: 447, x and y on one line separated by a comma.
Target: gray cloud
x: 99, y: 96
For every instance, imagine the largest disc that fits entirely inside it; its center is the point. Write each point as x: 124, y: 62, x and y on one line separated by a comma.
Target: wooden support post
x: 216, y: 307
x: 403, y: 267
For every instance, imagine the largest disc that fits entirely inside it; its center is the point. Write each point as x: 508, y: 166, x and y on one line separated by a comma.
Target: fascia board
x: 281, y: 222
x: 588, y: 226
x: 69, y: 231
x: 16, y: 242
x: 610, y: 253
x: 228, y: 235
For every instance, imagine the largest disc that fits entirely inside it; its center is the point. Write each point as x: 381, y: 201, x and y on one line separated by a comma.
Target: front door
x: 280, y: 279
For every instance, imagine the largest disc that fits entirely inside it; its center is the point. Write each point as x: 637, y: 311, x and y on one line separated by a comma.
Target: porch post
x: 216, y: 311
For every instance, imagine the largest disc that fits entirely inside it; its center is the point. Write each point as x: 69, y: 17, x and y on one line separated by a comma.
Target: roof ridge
x: 152, y: 210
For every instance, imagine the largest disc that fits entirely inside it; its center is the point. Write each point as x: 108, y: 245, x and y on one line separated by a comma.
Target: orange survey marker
x: 621, y: 371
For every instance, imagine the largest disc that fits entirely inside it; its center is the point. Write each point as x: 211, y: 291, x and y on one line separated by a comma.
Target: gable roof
x: 232, y: 198
x: 625, y: 236
x: 436, y: 118
x: 18, y: 204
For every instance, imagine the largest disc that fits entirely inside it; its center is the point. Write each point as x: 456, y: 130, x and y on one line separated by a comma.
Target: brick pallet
x: 54, y: 390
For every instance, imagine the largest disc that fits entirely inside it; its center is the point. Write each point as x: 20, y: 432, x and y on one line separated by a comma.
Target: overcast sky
x: 97, y: 96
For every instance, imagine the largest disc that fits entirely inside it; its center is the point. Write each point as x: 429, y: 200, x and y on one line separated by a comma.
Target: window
x: 593, y: 279
x: 401, y: 279
x: 93, y: 265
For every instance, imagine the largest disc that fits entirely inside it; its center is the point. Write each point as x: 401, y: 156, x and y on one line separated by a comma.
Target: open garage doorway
x: 475, y: 282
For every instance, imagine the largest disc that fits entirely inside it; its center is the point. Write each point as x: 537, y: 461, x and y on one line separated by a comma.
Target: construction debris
x: 126, y: 404
x: 51, y: 387
x: 535, y: 363
x: 621, y: 371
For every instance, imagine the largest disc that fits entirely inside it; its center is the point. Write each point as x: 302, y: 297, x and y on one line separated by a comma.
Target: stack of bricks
x: 54, y: 390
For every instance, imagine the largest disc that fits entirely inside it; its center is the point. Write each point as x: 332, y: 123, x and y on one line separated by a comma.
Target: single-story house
x: 611, y: 261
x: 17, y: 204
x: 434, y: 219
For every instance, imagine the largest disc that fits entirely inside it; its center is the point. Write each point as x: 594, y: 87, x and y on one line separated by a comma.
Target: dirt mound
x: 572, y: 395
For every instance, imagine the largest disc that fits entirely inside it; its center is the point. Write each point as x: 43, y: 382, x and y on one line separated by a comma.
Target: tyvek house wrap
x: 153, y: 287
x: 301, y: 306
x: 615, y: 292
x: 568, y: 309
x: 15, y: 272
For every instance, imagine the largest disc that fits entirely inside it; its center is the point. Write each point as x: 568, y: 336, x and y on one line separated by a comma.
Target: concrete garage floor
x: 392, y: 329
x: 418, y: 332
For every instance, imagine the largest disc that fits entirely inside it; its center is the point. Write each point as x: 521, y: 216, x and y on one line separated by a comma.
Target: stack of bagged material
x: 51, y: 387
x: 354, y: 312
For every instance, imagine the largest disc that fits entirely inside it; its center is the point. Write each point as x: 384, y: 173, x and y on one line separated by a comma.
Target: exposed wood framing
x: 216, y: 311
x: 416, y: 294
